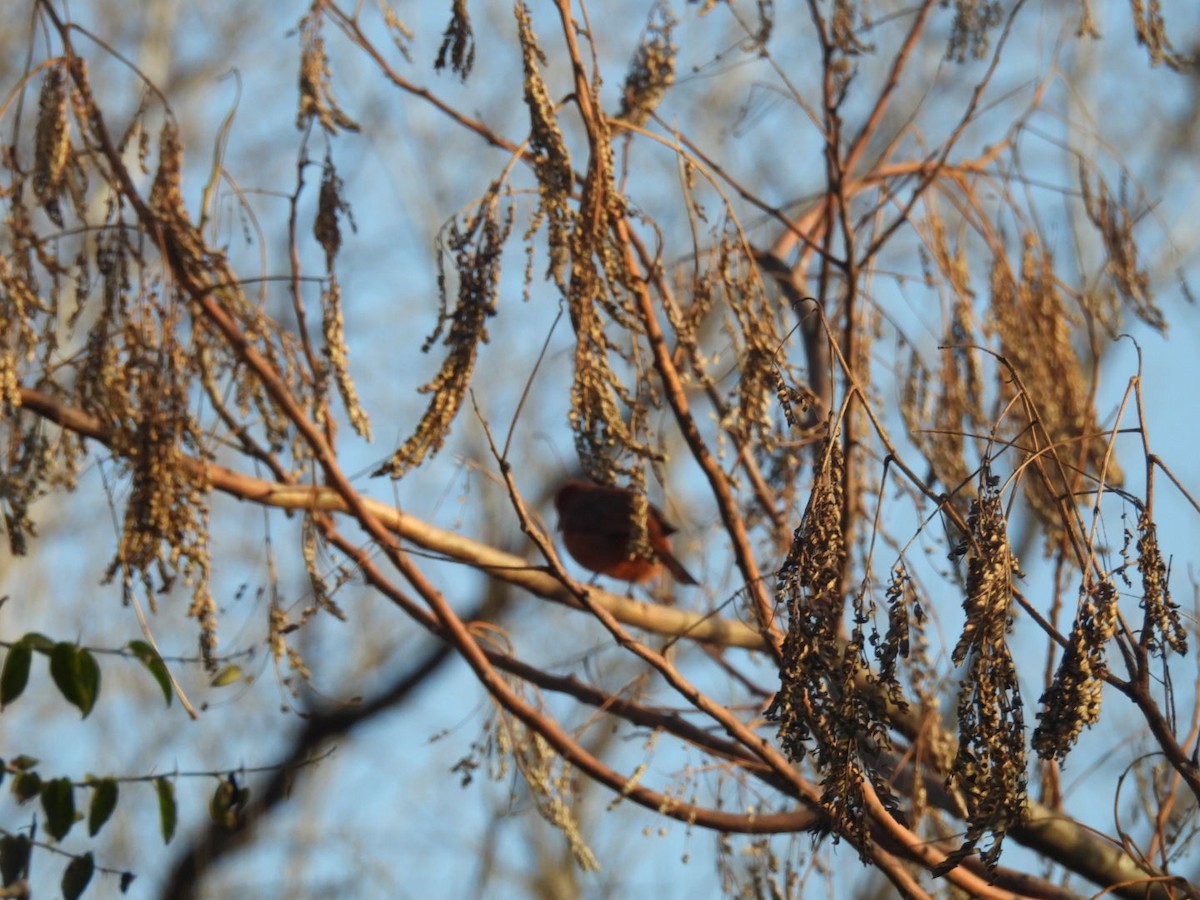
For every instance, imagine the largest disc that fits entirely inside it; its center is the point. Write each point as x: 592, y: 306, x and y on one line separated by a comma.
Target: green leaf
x: 26, y: 786
x: 104, y: 801
x: 14, y: 857
x: 167, y: 812
x: 228, y: 804
x: 155, y: 665
x: 77, y: 875
x: 39, y: 642
x: 75, y: 672
x: 228, y: 675
x: 15, y: 674
x: 62, y: 670
x: 58, y: 802
x: 23, y: 763
x: 220, y: 807
x: 89, y: 681
x: 126, y: 881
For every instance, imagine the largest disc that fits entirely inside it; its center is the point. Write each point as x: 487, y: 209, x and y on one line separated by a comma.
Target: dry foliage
x: 741, y: 333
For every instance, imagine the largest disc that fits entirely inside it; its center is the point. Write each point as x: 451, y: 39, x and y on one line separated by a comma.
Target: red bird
x: 596, y: 522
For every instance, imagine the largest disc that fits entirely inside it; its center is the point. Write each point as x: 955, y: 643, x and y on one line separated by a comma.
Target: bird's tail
x: 678, y: 572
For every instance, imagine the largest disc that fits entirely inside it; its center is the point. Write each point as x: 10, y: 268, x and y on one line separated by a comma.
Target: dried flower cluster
x: 989, y: 770
x: 821, y: 698
x: 477, y: 245
x: 652, y: 71
x: 1035, y: 330
x: 1072, y: 702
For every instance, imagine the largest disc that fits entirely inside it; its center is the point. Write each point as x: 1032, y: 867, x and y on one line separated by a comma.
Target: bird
x: 597, y: 526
